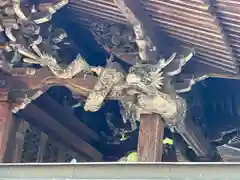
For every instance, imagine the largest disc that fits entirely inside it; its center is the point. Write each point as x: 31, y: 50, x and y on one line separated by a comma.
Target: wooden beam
x: 143, y: 28
x: 27, y: 85
x: 43, y: 79
x: 193, y: 135
x: 67, y: 119
x: 40, y: 118
x: 150, y: 144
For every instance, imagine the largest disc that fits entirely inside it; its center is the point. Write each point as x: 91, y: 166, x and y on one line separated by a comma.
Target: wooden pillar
x: 150, y: 146
x: 5, y: 122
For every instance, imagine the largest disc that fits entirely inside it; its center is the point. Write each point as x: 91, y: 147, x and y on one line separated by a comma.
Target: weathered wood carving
x: 150, y: 86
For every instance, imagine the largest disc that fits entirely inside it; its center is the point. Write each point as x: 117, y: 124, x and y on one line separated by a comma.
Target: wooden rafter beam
x: 142, y: 26
x: 67, y: 119
x: 212, y: 9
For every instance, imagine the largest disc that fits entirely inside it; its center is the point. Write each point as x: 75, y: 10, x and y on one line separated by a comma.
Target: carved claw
x: 23, y: 51
x: 36, y: 49
x: 30, y: 61
x: 31, y: 58
x: 76, y: 66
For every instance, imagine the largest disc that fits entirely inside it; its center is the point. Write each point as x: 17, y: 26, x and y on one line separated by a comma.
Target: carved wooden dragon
x: 139, y: 91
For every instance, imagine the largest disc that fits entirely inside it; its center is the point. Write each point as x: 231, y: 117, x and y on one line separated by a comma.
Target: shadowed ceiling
x: 211, y: 27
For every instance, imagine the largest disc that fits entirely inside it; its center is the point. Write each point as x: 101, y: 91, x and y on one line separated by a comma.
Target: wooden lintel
x: 24, y: 83
x: 150, y: 146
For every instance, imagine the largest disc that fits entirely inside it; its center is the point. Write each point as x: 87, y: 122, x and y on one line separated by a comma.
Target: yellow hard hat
x: 168, y: 141
x: 132, y: 157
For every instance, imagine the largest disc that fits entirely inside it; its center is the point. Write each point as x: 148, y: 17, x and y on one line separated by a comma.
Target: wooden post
x: 42, y: 147
x: 19, y: 141
x: 40, y: 118
x: 11, y: 142
x: 5, y: 122
x: 150, y: 139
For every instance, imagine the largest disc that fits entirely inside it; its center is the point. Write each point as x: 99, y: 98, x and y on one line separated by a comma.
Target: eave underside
x: 210, y: 28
